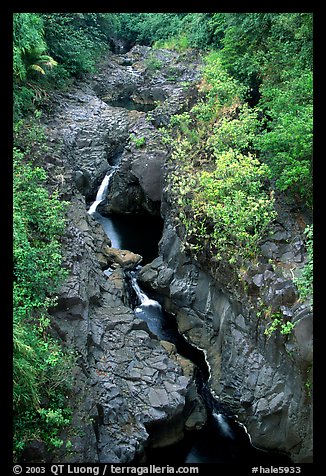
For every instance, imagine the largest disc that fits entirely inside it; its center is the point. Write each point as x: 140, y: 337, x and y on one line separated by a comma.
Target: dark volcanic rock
x: 126, y: 380
x: 263, y: 380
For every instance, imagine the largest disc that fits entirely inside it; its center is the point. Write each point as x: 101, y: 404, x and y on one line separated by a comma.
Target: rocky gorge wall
x: 126, y: 381
x: 264, y: 380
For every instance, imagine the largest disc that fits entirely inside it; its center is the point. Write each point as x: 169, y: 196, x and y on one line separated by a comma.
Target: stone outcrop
x: 96, y: 134
x: 137, y: 185
x: 126, y: 381
x: 124, y: 258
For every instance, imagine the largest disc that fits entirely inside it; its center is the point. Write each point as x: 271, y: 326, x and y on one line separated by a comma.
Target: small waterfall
x: 223, y: 425
x: 144, y: 299
x: 102, y: 192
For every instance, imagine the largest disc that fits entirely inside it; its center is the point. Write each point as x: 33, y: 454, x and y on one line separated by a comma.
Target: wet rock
x: 303, y: 332
x: 126, y: 382
x: 149, y: 174
x: 83, y: 181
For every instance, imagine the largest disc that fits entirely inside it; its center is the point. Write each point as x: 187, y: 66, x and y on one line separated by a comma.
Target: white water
x: 102, y: 192
x: 144, y: 300
x: 223, y: 425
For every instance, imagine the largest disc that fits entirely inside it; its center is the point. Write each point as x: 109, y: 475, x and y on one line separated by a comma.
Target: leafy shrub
x: 279, y: 324
x: 305, y: 281
x: 41, y: 370
x: 224, y: 209
x: 272, y: 53
x: 72, y: 41
x: 178, y: 43
x: 138, y: 141
x: 152, y: 64
x: 286, y: 144
x: 28, y: 35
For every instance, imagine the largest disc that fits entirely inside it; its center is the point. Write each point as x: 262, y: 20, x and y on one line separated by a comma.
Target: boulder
x: 124, y: 258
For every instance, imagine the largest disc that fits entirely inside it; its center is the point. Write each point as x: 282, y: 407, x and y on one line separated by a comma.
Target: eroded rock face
x: 95, y: 133
x: 137, y: 185
x: 127, y: 384
x: 265, y: 381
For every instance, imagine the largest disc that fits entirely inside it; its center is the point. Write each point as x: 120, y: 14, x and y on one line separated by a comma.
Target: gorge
x: 136, y: 393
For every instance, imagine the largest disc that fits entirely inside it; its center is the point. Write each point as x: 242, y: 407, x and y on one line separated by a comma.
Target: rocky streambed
x: 131, y: 389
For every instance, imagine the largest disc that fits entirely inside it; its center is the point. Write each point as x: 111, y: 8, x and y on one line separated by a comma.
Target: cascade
x: 128, y: 231
x: 223, y: 439
x: 218, y: 427
x: 144, y: 299
x: 223, y: 425
x: 102, y: 191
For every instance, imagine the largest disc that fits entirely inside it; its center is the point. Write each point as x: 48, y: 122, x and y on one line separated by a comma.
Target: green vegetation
x: 138, y: 141
x: 219, y: 189
x: 152, y: 64
x: 272, y: 54
x: 278, y: 323
x: 178, y: 43
x: 29, y: 43
x: 305, y: 281
x: 41, y: 368
x: 309, y: 382
x: 255, y: 108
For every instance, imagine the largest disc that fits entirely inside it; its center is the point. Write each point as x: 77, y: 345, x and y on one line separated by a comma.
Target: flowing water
x: 222, y: 439
x: 137, y: 233
x: 102, y: 191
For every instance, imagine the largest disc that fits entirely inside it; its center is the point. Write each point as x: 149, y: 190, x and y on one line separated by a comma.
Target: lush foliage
x: 41, y: 369
x: 51, y: 48
x: 28, y: 36
x: 224, y: 209
x: 278, y: 323
x: 219, y: 187
x: 272, y: 54
x: 146, y: 28
x: 76, y: 40
x: 286, y: 143
x: 29, y: 61
x: 305, y: 281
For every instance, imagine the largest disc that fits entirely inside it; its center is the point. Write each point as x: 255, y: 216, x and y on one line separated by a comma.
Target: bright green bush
x: 28, y: 36
x: 178, y: 43
x: 224, y: 210
x: 272, y: 53
x: 305, y: 281
x: 152, y: 63
x: 286, y: 144
x: 220, y: 186
x: 237, y: 132
x: 41, y: 369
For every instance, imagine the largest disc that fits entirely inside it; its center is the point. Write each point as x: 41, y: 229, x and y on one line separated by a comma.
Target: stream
x: 223, y: 439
